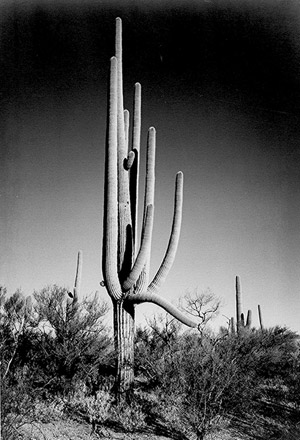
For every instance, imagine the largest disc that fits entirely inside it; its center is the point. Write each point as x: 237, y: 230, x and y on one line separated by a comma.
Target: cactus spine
x: 125, y: 267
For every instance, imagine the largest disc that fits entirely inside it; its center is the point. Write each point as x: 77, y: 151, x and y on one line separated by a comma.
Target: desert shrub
x: 45, y: 352
x: 206, y: 380
x: 94, y: 408
x: 16, y: 330
x: 102, y: 409
x: 206, y: 377
x: 129, y: 416
x: 155, y: 351
x: 243, y: 378
x: 51, y: 410
x: 70, y: 346
x: 17, y: 404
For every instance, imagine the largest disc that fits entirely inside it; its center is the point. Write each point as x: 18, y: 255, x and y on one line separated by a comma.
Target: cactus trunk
x: 124, y: 347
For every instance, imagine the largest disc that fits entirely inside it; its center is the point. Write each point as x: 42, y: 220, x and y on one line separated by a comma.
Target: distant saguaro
x: 260, y: 317
x: 240, y: 317
x: 72, y: 300
x: 238, y: 296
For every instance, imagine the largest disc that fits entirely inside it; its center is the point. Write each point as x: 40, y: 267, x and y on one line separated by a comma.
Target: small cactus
x: 260, y: 317
x: 249, y: 319
x: 240, y: 317
x: 242, y: 320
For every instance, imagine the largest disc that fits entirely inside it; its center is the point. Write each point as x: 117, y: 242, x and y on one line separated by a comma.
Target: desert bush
x: 155, y: 351
x: 45, y: 352
x: 102, y: 408
x: 17, y: 404
x: 16, y: 329
x: 70, y: 346
x: 50, y: 410
x: 94, y: 408
x: 130, y: 416
x: 242, y: 378
x: 206, y: 380
x: 206, y: 376
x: 16, y: 325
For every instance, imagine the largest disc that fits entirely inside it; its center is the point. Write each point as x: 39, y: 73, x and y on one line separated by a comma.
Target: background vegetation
x: 58, y: 362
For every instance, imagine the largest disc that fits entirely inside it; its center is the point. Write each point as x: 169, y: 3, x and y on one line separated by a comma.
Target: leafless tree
x: 201, y: 304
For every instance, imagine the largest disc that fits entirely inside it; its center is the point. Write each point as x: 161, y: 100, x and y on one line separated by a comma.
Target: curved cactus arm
x: 110, y: 235
x: 174, y: 237
x: 166, y: 305
x: 143, y: 252
x: 134, y: 172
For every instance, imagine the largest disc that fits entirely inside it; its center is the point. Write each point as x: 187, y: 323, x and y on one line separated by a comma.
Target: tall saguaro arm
x: 72, y: 299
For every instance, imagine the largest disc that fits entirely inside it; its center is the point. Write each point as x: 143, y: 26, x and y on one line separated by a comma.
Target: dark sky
x: 221, y: 85
x: 249, y: 48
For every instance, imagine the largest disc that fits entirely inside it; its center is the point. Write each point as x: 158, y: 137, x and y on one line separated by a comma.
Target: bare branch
x: 204, y: 305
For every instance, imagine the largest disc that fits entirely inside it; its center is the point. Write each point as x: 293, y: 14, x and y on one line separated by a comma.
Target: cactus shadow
x: 153, y: 427
x: 266, y: 428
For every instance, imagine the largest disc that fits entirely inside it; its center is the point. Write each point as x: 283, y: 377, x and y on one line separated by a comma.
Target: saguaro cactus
x: 238, y: 296
x: 249, y: 319
x: 72, y: 300
x: 260, y: 317
x: 125, y: 266
x: 240, y: 317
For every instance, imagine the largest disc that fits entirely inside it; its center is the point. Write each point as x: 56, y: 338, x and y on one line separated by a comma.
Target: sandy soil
x: 72, y: 430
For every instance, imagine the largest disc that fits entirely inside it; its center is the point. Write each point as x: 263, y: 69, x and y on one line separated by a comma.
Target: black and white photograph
x: 150, y: 219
